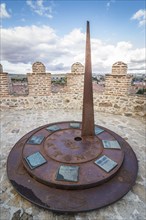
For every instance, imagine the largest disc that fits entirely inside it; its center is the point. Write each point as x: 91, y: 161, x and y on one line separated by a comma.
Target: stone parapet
x: 75, y: 83
x: 1, y: 68
x: 4, y: 84
x: 118, y: 82
x: 119, y: 68
x: 115, y: 99
x: 77, y: 69
x: 117, y: 85
x: 38, y: 68
x: 39, y: 85
x: 122, y: 105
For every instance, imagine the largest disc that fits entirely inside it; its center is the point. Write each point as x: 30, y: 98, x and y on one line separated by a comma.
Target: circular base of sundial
x: 56, y: 168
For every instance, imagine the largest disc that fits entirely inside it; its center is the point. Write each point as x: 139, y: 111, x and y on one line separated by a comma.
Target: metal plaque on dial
x: 35, y: 139
x: 53, y: 128
x: 74, y: 125
x: 98, y: 130
x: 68, y: 173
x: 35, y: 160
x: 111, y: 144
x: 106, y: 163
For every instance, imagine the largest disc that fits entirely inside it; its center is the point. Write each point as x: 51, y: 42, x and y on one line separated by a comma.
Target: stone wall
x: 38, y: 68
x: 118, y: 82
x: 4, y: 83
x: 117, y: 85
x: 119, y: 68
x: 75, y: 83
x: 114, y: 100
x: 129, y: 106
x: 39, y: 85
x: 39, y: 82
x: 75, y: 79
x: 77, y: 69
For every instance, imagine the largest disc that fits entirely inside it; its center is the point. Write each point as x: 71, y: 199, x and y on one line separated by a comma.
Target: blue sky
x: 117, y: 33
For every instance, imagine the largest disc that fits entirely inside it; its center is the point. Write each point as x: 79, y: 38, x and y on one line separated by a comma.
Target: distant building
x: 18, y: 77
x: 56, y: 77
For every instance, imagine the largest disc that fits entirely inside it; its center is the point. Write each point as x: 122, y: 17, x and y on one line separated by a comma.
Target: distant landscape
x: 19, y: 86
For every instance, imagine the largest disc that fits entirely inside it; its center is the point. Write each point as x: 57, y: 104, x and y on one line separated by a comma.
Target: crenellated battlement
x: 114, y: 99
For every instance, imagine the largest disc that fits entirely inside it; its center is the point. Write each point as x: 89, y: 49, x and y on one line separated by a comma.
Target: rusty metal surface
x: 63, y: 146
x: 60, y: 147
x: 80, y: 198
x: 88, y: 109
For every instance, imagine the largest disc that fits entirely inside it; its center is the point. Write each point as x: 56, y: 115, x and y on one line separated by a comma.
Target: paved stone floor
x: 14, y: 124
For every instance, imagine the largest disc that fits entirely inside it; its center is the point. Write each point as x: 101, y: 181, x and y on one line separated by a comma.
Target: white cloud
x: 140, y: 16
x: 40, y: 8
x: 17, y: 47
x: 19, y: 68
x: 58, y: 54
x: 3, y: 11
x: 108, y: 4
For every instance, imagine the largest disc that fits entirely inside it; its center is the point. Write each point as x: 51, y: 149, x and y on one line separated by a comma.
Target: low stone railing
x: 123, y: 105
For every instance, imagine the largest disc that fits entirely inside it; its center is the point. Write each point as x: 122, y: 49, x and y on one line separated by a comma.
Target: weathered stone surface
x: 132, y: 206
x: 4, y: 214
x: 116, y: 106
x: 1, y: 68
x: 4, y: 84
x: 18, y: 215
x: 139, y: 101
x: 138, y: 108
x: 119, y: 68
x: 77, y: 68
x: 138, y: 189
x: 105, y: 104
x: 38, y: 68
x: 26, y: 216
x: 39, y: 84
x: 128, y: 114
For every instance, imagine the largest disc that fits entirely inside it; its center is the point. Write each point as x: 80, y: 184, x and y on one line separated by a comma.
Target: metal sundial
x: 73, y: 166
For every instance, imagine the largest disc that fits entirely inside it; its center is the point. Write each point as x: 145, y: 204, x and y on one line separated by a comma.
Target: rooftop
x: 15, y: 124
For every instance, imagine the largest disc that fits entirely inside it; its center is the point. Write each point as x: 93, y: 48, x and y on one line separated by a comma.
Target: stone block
x: 38, y: 68
x: 105, y: 104
x: 119, y: 68
x: 77, y: 68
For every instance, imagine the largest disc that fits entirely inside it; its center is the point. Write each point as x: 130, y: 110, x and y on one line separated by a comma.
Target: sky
x: 54, y: 33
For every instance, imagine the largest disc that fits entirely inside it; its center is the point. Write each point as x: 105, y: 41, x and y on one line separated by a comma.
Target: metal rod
x: 88, y: 109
